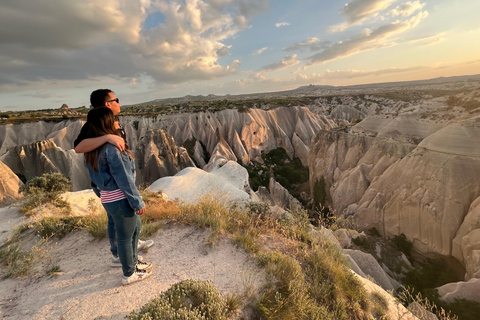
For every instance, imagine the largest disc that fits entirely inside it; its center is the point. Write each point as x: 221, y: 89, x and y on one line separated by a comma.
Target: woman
x: 113, y: 173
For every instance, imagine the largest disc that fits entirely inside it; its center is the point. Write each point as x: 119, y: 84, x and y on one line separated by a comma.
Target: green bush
x: 188, y: 299
x: 59, y: 226
x: 45, y: 189
x: 288, y: 172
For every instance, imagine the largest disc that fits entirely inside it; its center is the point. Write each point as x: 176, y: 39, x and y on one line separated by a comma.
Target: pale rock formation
x: 370, y: 267
x: 9, y: 185
x: 395, y: 310
x: 325, y: 234
x: 347, y: 113
x: 380, y: 178
x: 280, y: 196
x: 45, y: 157
x: 190, y: 184
x: 220, y: 155
x: 65, y: 137
x: 226, y: 134
x: 419, y: 311
x: 460, y: 290
x: 246, y: 133
x: 264, y: 195
x: 26, y: 133
x: 300, y: 149
x: 345, y: 236
x: 432, y: 191
x: 234, y: 174
x: 199, y: 155
x: 157, y: 156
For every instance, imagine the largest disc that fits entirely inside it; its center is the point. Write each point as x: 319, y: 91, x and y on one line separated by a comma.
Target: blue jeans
x: 111, y: 235
x: 127, y: 230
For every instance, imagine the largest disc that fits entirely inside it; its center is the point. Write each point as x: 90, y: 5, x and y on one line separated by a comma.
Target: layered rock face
x: 227, y: 134
x: 377, y: 174
x: 237, y: 135
x: 157, y: 156
x: 34, y: 159
x: 9, y: 184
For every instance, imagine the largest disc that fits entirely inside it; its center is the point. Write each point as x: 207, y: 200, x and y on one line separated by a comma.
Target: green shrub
x: 188, y: 299
x: 403, y: 244
x: 59, y: 226
x: 259, y: 208
x: 288, y: 172
x: 45, y: 189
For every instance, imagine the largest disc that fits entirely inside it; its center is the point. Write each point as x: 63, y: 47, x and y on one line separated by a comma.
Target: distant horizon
x: 261, y: 92
x: 58, y: 52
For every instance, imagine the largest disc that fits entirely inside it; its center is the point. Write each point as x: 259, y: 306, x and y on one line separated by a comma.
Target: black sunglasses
x: 116, y: 100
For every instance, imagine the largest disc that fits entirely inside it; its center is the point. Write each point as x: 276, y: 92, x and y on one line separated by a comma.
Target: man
x: 107, y: 98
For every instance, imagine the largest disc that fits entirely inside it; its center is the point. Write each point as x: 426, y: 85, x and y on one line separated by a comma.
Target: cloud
x: 406, y: 9
x: 367, y: 40
x: 433, y: 41
x: 314, y: 44
x: 44, y: 95
x: 357, y: 11
x: 285, y: 63
x: 55, y: 40
x: 281, y: 24
x: 259, y: 51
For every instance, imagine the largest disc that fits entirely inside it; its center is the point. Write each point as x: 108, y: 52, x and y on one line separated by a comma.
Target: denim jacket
x: 116, y: 171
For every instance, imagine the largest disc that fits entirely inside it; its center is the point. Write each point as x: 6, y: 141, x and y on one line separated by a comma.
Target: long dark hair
x: 100, y: 121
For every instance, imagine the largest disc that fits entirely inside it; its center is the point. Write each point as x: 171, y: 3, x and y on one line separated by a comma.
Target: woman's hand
x: 117, y: 141
x: 141, y: 211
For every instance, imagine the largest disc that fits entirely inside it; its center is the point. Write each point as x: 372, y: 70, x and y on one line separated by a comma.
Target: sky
x: 55, y: 51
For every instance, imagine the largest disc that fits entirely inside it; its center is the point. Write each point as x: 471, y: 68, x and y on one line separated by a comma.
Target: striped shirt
x: 111, y: 196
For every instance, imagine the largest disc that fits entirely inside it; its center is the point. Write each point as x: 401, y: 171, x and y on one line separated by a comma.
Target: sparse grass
x: 59, y: 226
x: 53, y: 271
x: 379, y: 306
x: 150, y: 227
x: 97, y: 225
x: 158, y: 208
x: 18, y: 260
x: 407, y: 296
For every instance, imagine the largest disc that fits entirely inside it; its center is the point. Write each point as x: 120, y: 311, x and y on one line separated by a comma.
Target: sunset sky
x: 56, y: 51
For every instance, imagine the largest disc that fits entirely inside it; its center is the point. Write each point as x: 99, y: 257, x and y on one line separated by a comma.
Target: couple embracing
x: 111, y: 167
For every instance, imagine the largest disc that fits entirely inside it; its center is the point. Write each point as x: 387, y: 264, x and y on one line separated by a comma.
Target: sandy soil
x: 88, y: 288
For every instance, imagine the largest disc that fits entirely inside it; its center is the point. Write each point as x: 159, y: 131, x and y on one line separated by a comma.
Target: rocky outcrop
x: 12, y: 135
x: 246, y: 134
x: 158, y: 156
x: 9, y: 184
x: 34, y: 159
x: 423, y: 191
x: 368, y: 266
x: 191, y: 184
x: 460, y: 290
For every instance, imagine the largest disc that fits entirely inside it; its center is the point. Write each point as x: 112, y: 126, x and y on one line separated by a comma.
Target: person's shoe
x: 144, y: 245
x: 144, y: 265
x: 116, y: 261
x: 138, y: 275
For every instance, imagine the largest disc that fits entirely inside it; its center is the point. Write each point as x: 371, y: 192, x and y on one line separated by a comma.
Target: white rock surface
x: 9, y: 184
x: 192, y: 183
x: 468, y: 290
x: 370, y: 267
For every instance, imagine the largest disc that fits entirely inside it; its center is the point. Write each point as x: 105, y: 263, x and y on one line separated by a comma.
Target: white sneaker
x: 144, y: 265
x: 116, y: 261
x: 144, y: 245
x: 138, y: 275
